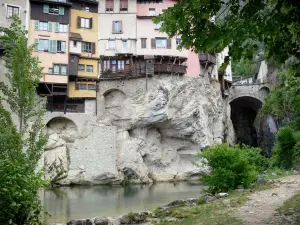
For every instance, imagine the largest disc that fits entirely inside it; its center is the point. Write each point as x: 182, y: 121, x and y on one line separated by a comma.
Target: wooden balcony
x: 169, y: 68
x: 54, y: 79
x: 207, y: 59
x: 70, y: 107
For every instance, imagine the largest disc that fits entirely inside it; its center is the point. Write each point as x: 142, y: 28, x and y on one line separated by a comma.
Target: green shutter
x: 63, y: 46
x: 36, y: 25
x: 61, y: 10
x: 54, y: 46
x: 50, y: 46
x: 49, y: 26
x: 36, y: 44
x: 57, y: 27
x: 46, y: 8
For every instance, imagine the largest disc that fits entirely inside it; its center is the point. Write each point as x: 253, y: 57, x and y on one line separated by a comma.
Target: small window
x: 54, y: 9
x: 109, y: 6
x: 61, y: 46
x: 121, y: 65
x: 43, y: 45
x: 91, y: 87
x: 123, y: 5
x: 63, y: 69
x: 82, y: 86
x: 152, y: 12
x: 50, y: 71
x: 117, y: 26
x: 12, y: 10
x: 81, y: 67
x: 86, y: 47
x: 63, y: 28
x: 89, y: 68
x: 75, y: 43
x: 111, y: 44
x: 161, y: 42
x: 87, y: 9
x: 144, y: 42
x: 106, y: 64
x: 178, y: 42
x: 43, y: 26
x: 56, y: 69
x: 85, y: 23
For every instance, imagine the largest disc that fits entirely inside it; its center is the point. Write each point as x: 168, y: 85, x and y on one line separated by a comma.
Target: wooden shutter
x: 36, y: 25
x: 46, y: 8
x: 91, y: 23
x: 169, y: 43
x: 93, y: 48
x: 78, y: 21
x: 61, y: 10
x: 36, y: 44
x: 57, y: 27
x: 153, y: 43
x: 49, y: 26
x: 76, y: 86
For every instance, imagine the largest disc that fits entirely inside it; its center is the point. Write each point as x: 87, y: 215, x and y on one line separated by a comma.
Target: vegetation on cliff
x: 20, y: 147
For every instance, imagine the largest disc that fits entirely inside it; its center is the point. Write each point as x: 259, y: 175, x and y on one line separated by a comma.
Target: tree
x: 20, y: 149
x: 243, y: 68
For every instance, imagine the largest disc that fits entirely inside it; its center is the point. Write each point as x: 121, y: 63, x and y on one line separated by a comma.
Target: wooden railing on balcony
x: 207, y: 58
x: 169, y: 68
x: 70, y: 107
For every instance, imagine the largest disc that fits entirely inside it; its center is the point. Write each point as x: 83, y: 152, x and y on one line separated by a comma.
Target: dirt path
x: 260, y: 207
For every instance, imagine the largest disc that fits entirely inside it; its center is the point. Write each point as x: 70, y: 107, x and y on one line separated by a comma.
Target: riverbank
x: 250, y: 206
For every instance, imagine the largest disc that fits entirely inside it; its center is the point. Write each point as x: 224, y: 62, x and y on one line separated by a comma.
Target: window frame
x: 46, y: 49
x: 124, y: 9
x: 59, y: 44
x: 79, y: 70
x: 13, y: 7
x: 108, y: 46
x: 178, y: 40
x: 85, y: 23
x: 91, y: 89
x: 110, y: 9
x: 54, y: 6
x: 82, y: 89
x: 64, y: 26
x: 161, y: 39
x: 84, y: 47
x: 89, y: 66
x: 114, y: 30
x: 45, y: 26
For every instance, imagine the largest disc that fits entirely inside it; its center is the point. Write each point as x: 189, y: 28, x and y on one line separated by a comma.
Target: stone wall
x: 145, y: 130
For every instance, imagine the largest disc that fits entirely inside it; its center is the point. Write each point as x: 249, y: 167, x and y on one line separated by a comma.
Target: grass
x: 289, y: 212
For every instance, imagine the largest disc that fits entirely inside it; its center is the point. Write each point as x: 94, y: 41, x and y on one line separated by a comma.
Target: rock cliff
x: 145, y: 130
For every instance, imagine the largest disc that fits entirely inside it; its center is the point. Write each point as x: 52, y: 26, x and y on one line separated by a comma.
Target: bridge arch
x: 244, y: 110
x: 64, y: 127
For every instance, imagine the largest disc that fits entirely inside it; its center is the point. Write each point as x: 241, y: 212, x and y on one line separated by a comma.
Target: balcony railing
x: 70, y: 107
x: 169, y: 68
x: 207, y: 58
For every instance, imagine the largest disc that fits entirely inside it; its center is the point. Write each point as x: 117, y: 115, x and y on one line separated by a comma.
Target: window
x: 161, y: 43
x: 111, y: 44
x: 117, y: 27
x: 43, y: 45
x: 63, y: 28
x: 81, y: 67
x: 144, y: 42
x: 43, y: 26
x: 106, y: 64
x: 56, y: 69
x: 87, y: 9
x: 53, y: 9
x: 178, y: 42
x: 12, y: 10
x: 75, y: 43
x: 63, y: 69
x: 113, y: 65
x: 158, y: 26
x: 152, y: 12
x: 61, y: 46
x: 125, y: 46
x: 86, y: 47
x: 91, y: 87
x: 85, y: 23
x: 123, y: 5
x: 82, y: 87
x: 121, y: 65
x: 89, y: 68
x: 109, y: 5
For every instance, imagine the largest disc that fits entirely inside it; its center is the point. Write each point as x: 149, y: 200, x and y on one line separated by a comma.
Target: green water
x: 66, y: 203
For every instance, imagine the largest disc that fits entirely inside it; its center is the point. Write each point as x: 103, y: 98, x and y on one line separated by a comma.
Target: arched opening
x: 264, y: 91
x: 114, y: 102
x: 243, y: 113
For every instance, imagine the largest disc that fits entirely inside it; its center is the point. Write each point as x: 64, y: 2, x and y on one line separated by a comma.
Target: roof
x: 75, y: 37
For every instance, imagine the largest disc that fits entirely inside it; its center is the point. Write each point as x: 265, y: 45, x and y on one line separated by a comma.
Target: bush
x: 296, y: 154
x: 283, y: 152
x: 232, y: 166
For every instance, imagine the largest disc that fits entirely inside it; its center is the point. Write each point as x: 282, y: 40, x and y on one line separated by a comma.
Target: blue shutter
x: 36, y: 25
x: 54, y: 46
x: 49, y: 26
x: 61, y: 10
x: 46, y: 8
x: 36, y: 44
x: 50, y: 46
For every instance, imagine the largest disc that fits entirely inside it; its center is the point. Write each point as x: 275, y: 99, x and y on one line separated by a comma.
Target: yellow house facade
x: 84, y: 56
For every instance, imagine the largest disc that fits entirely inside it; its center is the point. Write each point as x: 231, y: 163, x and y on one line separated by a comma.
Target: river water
x: 66, y: 203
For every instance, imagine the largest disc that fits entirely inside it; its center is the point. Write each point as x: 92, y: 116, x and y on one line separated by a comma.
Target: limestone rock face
x: 145, y: 130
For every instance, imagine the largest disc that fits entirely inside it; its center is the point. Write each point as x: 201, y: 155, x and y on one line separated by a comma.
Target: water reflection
x: 66, y: 203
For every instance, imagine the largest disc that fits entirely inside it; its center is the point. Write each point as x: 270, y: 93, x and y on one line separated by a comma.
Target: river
x: 66, y: 203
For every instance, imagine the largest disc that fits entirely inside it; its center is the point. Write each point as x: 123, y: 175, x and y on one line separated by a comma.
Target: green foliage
x: 20, y: 149
x: 246, y: 28
x: 231, y: 167
x: 283, y: 152
x: 243, y: 68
